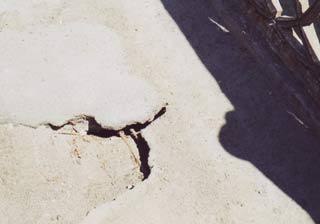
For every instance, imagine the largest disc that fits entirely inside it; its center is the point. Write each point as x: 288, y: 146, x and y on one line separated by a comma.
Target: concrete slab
x: 227, y: 150
x: 67, y: 70
x: 56, y: 177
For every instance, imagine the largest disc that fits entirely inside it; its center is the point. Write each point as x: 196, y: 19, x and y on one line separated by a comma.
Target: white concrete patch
x: 63, y: 71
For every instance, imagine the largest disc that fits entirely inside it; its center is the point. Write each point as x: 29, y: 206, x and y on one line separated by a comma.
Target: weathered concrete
x: 228, y: 149
x: 66, y: 70
x: 57, y: 177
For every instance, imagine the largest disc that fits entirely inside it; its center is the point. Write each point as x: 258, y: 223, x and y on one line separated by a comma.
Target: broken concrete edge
x: 132, y: 130
x: 91, y: 118
x: 296, y: 78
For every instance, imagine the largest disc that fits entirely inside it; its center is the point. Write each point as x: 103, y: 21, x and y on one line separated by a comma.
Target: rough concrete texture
x: 51, y: 79
x: 49, y: 177
x: 227, y: 150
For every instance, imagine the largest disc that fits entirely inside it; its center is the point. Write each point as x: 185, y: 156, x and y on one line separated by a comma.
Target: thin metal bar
x: 299, y: 30
x: 310, y: 16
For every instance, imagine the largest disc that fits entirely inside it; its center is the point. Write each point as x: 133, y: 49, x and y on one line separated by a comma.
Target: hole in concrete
x: 144, y: 150
x: 133, y: 130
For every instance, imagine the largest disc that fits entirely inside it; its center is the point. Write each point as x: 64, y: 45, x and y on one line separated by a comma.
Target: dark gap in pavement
x: 133, y: 130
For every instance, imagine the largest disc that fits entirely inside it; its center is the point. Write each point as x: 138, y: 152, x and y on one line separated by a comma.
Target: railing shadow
x: 288, y: 7
x: 317, y: 23
x: 261, y: 129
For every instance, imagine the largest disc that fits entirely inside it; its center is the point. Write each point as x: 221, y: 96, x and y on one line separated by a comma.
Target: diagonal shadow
x: 261, y: 129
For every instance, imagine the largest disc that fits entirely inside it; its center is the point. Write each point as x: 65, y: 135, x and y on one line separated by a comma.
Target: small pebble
x: 130, y: 187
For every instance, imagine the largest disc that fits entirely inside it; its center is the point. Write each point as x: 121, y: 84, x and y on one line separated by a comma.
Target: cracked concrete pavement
x: 226, y: 150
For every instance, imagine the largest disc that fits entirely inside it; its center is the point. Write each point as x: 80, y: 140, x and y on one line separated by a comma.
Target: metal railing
x: 267, y: 9
x: 302, y: 19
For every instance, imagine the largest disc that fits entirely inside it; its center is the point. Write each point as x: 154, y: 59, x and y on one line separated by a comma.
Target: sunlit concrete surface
x: 226, y: 150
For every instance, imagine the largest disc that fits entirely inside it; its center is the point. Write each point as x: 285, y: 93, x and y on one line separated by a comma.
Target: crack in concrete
x: 94, y: 128
x: 132, y: 131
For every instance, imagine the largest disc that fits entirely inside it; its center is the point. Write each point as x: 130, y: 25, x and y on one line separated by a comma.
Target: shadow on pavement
x: 261, y: 129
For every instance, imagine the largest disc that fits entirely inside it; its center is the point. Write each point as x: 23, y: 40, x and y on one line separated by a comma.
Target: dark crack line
x: 144, y: 150
x: 97, y: 130
x: 133, y: 131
